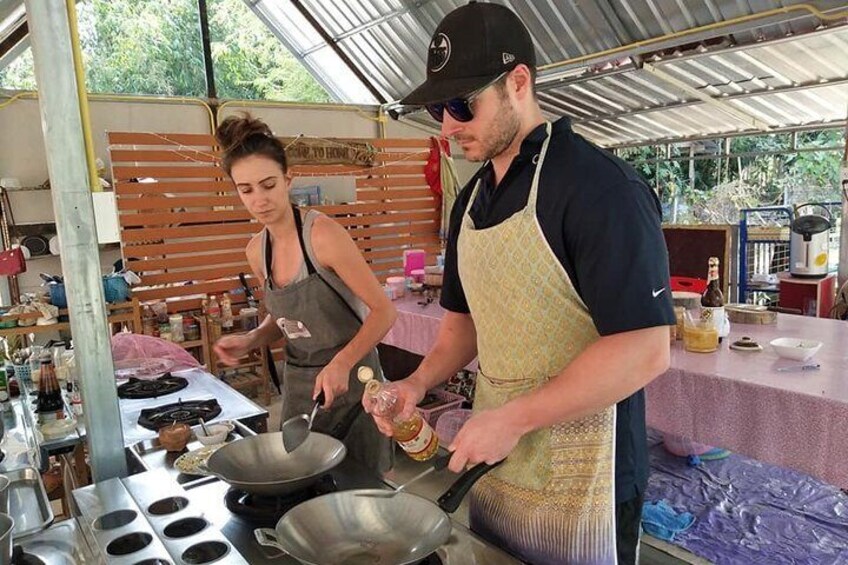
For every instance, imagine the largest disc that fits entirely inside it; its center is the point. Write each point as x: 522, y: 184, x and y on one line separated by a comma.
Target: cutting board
x: 750, y: 314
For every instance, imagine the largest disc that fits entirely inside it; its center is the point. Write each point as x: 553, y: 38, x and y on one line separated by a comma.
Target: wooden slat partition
x: 185, y: 232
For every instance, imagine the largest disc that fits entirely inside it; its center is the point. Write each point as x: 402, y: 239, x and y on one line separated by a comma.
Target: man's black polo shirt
x: 603, y: 224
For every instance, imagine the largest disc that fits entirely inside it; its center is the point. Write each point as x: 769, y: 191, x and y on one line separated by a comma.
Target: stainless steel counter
x: 201, y: 386
x: 60, y: 544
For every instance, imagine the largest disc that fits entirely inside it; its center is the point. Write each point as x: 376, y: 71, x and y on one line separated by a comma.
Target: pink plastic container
x: 413, y: 259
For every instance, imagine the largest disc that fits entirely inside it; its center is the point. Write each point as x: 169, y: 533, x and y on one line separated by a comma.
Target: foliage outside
x: 719, y: 187
x: 153, y: 47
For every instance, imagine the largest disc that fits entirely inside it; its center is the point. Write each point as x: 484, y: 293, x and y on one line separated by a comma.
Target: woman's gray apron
x: 332, y: 315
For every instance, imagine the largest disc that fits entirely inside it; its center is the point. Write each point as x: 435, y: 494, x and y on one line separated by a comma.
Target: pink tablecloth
x: 417, y: 326
x: 737, y: 400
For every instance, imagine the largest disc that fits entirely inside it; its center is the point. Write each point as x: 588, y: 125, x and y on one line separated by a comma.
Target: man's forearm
x: 608, y: 371
x: 455, y: 347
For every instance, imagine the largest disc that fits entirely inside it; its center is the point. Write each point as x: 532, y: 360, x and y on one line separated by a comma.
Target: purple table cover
x: 750, y: 512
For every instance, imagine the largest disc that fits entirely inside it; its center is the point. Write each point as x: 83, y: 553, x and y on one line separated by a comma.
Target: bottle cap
x: 365, y: 374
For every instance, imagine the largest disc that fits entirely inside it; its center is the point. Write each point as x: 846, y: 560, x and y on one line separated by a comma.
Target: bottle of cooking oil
x: 414, y: 435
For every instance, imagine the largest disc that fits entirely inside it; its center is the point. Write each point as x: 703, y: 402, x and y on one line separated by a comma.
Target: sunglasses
x: 459, y: 108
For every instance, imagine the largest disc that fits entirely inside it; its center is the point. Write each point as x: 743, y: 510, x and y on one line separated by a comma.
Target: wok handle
x: 450, y: 501
x: 268, y: 538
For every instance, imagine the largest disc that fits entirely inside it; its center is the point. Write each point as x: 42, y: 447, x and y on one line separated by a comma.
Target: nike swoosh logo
x: 658, y: 292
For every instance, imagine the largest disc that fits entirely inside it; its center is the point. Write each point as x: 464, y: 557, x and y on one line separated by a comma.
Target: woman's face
x: 262, y: 187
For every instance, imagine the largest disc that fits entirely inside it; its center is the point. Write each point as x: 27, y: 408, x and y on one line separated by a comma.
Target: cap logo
x: 507, y: 58
x: 440, y: 52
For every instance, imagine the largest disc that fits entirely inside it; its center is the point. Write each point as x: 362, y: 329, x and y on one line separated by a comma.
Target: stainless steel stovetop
x: 204, y: 498
x: 201, y: 386
x: 463, y: 548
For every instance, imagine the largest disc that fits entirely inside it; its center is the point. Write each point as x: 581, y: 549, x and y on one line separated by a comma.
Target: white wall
x: 22, y: 156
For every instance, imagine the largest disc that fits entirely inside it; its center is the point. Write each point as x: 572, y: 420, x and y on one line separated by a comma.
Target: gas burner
x: 184, y: 412
x: 265, y: 511
x: 151, y: 388
x: 20, y: 557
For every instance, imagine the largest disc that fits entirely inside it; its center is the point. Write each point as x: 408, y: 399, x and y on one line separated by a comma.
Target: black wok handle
x: 320, y: 399
x: 450, y: 501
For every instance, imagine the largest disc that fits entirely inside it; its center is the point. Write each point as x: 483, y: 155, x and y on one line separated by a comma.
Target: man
x: 556, y: 276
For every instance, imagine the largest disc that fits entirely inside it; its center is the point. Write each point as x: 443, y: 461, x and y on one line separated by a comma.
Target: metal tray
x: 28, y: 503
x: 150, y: 454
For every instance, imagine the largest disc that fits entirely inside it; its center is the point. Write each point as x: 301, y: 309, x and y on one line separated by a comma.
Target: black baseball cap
x: 470, y: 48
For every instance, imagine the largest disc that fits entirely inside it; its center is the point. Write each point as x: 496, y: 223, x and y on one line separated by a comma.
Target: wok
x: 260, y: 465
x: 355, y: 527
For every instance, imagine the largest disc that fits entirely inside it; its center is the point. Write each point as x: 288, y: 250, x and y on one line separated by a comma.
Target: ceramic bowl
x: 217, y: 433
x: 795, y: 348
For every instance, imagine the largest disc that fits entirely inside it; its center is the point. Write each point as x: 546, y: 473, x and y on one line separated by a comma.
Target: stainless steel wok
x: 259, y: 464
x: 355, y: 528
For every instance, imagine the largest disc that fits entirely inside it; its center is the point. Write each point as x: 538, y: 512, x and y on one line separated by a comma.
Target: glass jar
x: 176, y: 325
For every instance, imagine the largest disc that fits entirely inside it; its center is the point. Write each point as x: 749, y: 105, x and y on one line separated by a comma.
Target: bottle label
x: 420, y: 442
x: 716, y: 318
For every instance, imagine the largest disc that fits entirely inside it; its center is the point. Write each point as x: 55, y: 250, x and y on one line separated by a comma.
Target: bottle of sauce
x: 712, y: 300
x: 414, y: 435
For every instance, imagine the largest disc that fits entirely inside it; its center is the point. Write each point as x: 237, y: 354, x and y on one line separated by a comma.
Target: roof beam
x: 328, y: 39
x: 720, y: 104
x: 12, y: 44
x: 703, y: 33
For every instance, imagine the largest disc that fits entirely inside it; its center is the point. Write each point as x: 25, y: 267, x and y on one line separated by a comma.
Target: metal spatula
x: 296, y: 429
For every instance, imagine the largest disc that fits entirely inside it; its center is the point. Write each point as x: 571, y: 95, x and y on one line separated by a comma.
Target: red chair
x: 688, y: 284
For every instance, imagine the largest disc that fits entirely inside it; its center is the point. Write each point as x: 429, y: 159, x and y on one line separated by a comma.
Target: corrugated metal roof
x: 773, y: 71
x: 787, y: 69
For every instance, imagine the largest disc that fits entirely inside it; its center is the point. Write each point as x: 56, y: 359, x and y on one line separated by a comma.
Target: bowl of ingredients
x: 795, y: 348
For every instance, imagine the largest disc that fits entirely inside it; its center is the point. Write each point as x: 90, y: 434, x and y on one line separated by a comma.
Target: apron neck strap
x: 269, y: 254
x: 298, y: 224
x: 538, y: 160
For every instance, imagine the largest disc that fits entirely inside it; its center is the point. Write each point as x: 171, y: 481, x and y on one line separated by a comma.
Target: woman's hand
x: 229, y: 349
x: 334, y: 380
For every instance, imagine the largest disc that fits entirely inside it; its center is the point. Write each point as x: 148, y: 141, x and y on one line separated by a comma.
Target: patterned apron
x: 332, y: 315
x: 552, y: 500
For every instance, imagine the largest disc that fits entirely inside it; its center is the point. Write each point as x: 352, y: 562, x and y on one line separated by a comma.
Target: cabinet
x: 810, y: 297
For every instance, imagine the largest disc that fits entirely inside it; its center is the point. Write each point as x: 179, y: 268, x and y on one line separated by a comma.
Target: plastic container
x: 449, y: 424
x: 440, y: 402
x: 413, y: 259
x: 418, y: 275
x: 176, y: 323
x: 398, y: 286
x: 681, y: 446
x: 115, y: 289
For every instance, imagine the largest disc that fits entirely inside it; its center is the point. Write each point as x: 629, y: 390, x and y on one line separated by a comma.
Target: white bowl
x: 794, y: 348
x: 217, y: 433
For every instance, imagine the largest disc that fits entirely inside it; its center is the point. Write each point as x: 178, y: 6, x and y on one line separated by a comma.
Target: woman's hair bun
x: 235, y: 130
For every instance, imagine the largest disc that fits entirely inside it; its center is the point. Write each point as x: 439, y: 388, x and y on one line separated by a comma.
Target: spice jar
x: 191, y: 329
x: 176, y: 324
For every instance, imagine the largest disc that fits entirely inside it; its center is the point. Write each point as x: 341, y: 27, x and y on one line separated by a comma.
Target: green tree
x: 154, y: 47
x: 251, y: 63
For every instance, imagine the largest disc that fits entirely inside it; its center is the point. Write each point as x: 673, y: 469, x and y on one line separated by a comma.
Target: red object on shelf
x: 689, y: 284
x: 810, y: 296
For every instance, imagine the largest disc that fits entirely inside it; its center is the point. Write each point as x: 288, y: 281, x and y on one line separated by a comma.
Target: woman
x: 314, y: 278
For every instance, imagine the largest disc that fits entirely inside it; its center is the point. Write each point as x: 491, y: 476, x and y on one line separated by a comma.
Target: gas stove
x: 201, y: 386
x: 463, y: 548
x: 265, y: 511
x: 189, y: 413
x: 151, y: 388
